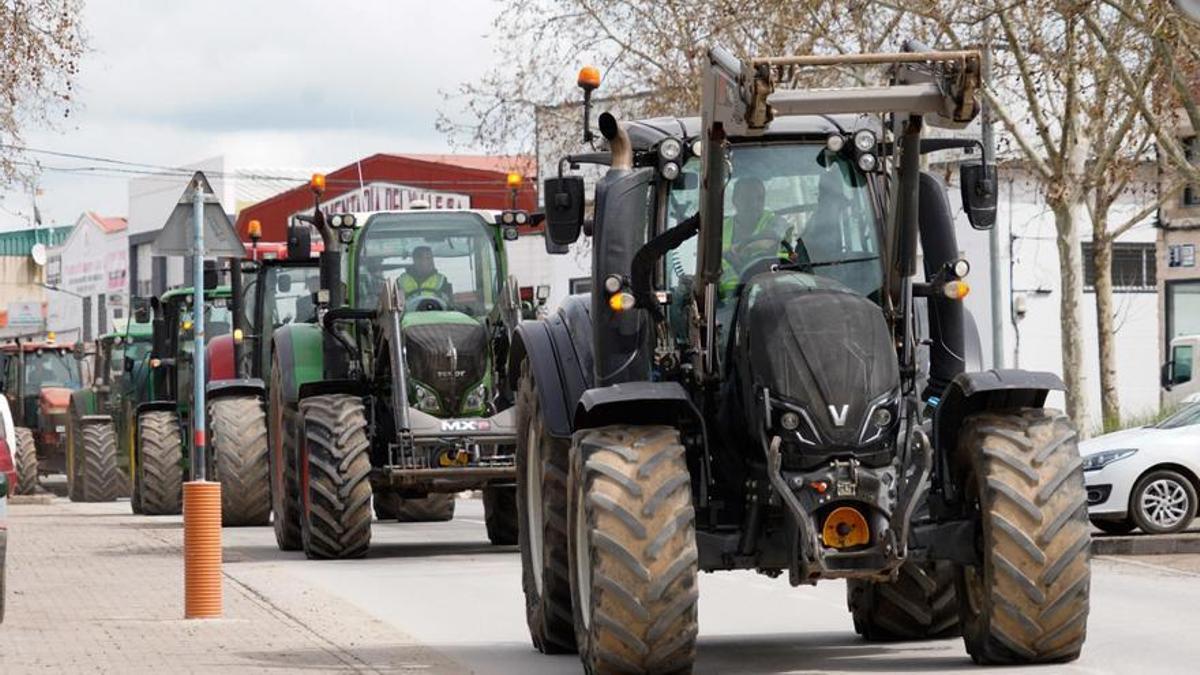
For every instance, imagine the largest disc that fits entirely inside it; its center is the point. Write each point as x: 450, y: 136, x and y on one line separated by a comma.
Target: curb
x: 1159, y: 544
x: 40, y: 499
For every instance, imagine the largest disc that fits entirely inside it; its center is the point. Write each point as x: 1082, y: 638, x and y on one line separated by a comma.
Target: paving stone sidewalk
x: 94, y: 589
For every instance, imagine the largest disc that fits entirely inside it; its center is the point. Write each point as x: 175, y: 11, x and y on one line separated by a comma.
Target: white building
x: 90, y: 274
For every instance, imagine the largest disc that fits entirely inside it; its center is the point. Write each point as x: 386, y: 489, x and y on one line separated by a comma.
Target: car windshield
x: 788, y: 200
x: 440, y: 260
x: 1184, y: 417
x: 51, y: 368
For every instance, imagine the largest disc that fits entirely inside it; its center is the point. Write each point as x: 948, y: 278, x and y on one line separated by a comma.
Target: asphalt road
x: 444, y: 586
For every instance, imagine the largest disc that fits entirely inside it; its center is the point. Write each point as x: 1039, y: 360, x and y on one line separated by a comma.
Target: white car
x: 1145, y: 478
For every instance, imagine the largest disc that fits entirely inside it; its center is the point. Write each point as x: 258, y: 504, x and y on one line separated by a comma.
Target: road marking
x: 1152, y: 566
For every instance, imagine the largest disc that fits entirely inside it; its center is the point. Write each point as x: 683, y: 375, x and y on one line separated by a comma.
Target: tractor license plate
x: 466, y: 425
x: 845, y: 488
x: 62, y: 429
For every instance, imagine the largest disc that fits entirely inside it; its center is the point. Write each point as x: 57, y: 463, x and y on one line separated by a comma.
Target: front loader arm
x: 388, y: 318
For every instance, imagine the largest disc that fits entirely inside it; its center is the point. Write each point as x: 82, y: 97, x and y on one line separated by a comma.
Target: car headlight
x: 425, y: 399
x: 476, y: 399
x: 1104, y: 458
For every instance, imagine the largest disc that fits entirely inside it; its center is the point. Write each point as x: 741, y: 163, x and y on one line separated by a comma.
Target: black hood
x: 449, y: 357
x: 816, y: 344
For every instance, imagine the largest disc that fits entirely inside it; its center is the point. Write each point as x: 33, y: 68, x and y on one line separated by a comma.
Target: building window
x: 1183, y: 309
x: 581, y: 285
x: 1191, y: 150
x: 1134, y: 267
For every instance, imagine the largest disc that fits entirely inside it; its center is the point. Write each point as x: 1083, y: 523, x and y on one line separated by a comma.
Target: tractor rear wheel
x: 918, y: 605
x: 337, y: 466
x: 436, y: 507
x: 500, y: 514
x: 160, y: 463
x: 97, y: 476
x: 285, y: 474
x: 542, y: 465
x: 25, y: 461
x: 239, y: 448
x: 1027, y: 602
x: 74, y: 486
x: 632, y: 550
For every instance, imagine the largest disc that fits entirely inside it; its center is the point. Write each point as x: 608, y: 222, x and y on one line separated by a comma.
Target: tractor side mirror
x: 1166, y: 377
x: 299, y: 242
x: 141, y: 310
x: 543, y: 294
x: 77, y: 350
x: 128, y: 364
x: 210, y: 275
x: 979, y: 193
x: 283, y: 283
x: 564, y: 210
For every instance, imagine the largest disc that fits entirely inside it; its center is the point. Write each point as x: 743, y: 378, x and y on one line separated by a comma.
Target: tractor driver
x: 422, y: 280
x: 748, y: 234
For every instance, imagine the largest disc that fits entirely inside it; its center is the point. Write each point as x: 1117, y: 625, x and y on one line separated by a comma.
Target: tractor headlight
x: 476, y: 400
x: 867, y: 162
x: 864, y: 140
x: 670, y: 171
x: 425, y: 399
x: 336, y: 221
x: 835, y: 143
x: 670, y: 149
x: 1105, y: 457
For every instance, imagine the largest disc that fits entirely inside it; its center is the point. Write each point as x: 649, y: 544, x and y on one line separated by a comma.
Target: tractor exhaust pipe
x: 618, y: 141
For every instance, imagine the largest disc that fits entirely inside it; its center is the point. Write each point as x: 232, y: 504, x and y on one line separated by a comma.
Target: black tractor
x: 747, y: 387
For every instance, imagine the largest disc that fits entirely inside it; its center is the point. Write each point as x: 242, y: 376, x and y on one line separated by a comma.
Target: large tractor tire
x: 74, y: 485
x: 240, y: 462
x: 285, y: 474
x: 918, y: 605
x: 337, y: 492
x: 632, y: 550
x: 434, y: 508
x: 542, y: 465
x: 97, y: 476
x: 500, y: 514
x: 160, y: 463
x: 1028, y: 600
x: 25, y: 461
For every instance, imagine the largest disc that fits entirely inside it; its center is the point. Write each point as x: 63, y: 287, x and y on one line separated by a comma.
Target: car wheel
x: 1163, y: 502
x: 1117, y: 527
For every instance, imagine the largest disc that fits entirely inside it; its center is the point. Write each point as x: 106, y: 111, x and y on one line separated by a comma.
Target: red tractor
x: 38, y: 379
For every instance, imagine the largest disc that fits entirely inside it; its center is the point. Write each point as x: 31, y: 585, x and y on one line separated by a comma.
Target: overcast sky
x: 270, y: 84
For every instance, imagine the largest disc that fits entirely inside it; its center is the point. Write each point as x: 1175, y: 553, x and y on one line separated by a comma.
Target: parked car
x: 4, y: 488
x: 1146, y: 478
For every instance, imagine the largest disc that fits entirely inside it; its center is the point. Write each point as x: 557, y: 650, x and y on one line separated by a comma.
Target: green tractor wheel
x: 285, y: 475
x: 26, y: 462
x: 239, y: 449
x: 335, y: 481
x: 160, y: 463
x: 97, y: 476
x: 433, y: 508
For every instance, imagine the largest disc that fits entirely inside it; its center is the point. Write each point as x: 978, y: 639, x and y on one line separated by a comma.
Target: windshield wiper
x: 825, y: 263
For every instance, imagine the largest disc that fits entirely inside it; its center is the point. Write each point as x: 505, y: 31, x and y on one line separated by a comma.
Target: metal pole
x: 199, y: 441
x: 989, y: 152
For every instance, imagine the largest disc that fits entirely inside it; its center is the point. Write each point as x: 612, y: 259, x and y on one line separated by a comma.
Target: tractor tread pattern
x: 1036, y: 578
x: 285, y: 485
x: 98, y: 477
x: 549, y: 615
x: 500, y: 514
x: 25, y: 461
x: 650, y: 626
x: 240, y: 459
x: 338, y: 513
x: 433, y: 508
x: 160, y: 463
x: 919, y: 605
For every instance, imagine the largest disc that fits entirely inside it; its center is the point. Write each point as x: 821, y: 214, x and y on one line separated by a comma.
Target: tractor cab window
x: 217, y: 321
x: 788, y: 202
x: 442, y: 261
x: 51, y: 368
x: 288, y: 296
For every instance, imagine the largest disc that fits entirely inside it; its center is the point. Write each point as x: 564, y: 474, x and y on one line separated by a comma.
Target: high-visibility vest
x: 729, y: 276
x: 431, y: 284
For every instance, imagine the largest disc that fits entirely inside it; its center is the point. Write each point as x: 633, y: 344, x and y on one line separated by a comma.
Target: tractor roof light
x: 670, y: 170
x: 508, y: 218
x: 254, y: 230
x: 521, y: 218
x: 336, y: 221
x: 835, y: 142
x: 589, y: 78
x: 238, y: 336
x: 51, y: 337
x: 514, y: 180
x: 961, y: 268
x: 864, y: 140
x: 612, y: 283
x: 317, y: 183
x: 697, y: 147
x: 670, y: 149
x: 867, y: 162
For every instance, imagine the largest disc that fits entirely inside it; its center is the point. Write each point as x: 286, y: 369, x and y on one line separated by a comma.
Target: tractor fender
x: 83, y: 402
x: 151, y: 406
x: 969, y: 393
x: 560, y: 357
x: 298, y: 347
x: 218, y: 360
x: 252, y: 386
x: 637, y: 403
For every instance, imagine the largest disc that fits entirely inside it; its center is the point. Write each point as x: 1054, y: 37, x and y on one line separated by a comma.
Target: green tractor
x: 399, y: 390
x: 159, y: 423
x: 99, y: 453
x: 744, y: 389
x: 39, y: 376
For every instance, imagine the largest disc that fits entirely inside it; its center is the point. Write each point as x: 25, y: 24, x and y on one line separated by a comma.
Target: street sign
x: 220, y: 238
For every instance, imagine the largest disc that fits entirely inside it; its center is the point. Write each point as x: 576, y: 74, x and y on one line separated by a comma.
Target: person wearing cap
x: 750, y: 221
x: 422, y: 279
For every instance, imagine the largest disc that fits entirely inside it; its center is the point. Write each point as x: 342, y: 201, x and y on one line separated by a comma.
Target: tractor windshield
x: 51, y: 368
x: 793, y: 202
x: 442, y: 261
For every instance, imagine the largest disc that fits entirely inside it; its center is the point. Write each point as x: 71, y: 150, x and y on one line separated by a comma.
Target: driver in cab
x: 750, y: 233
x: 422, y: 280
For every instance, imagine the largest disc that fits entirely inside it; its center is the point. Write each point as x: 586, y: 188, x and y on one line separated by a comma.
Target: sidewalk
x: 94, y: 589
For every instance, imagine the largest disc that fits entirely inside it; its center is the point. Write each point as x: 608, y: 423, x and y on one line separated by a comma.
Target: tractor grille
x: 449, y: 357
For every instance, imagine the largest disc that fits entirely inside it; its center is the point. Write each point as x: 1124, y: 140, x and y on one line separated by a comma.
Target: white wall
x: 93, y: 263
x: 527, y: 259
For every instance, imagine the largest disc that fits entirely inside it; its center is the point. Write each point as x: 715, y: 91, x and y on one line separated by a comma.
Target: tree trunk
x: 1068, y: 214
x: 1110, y: 398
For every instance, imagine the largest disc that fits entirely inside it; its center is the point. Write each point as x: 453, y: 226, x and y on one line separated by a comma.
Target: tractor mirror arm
x: 641, y: 273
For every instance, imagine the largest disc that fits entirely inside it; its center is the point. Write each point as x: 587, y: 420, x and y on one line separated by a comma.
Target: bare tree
x: 41, y: 42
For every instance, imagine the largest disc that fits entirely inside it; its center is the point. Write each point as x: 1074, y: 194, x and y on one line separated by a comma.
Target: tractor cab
x: 39, y: 376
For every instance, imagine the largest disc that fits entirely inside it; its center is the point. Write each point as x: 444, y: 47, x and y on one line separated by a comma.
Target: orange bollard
x: 202, y: 550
